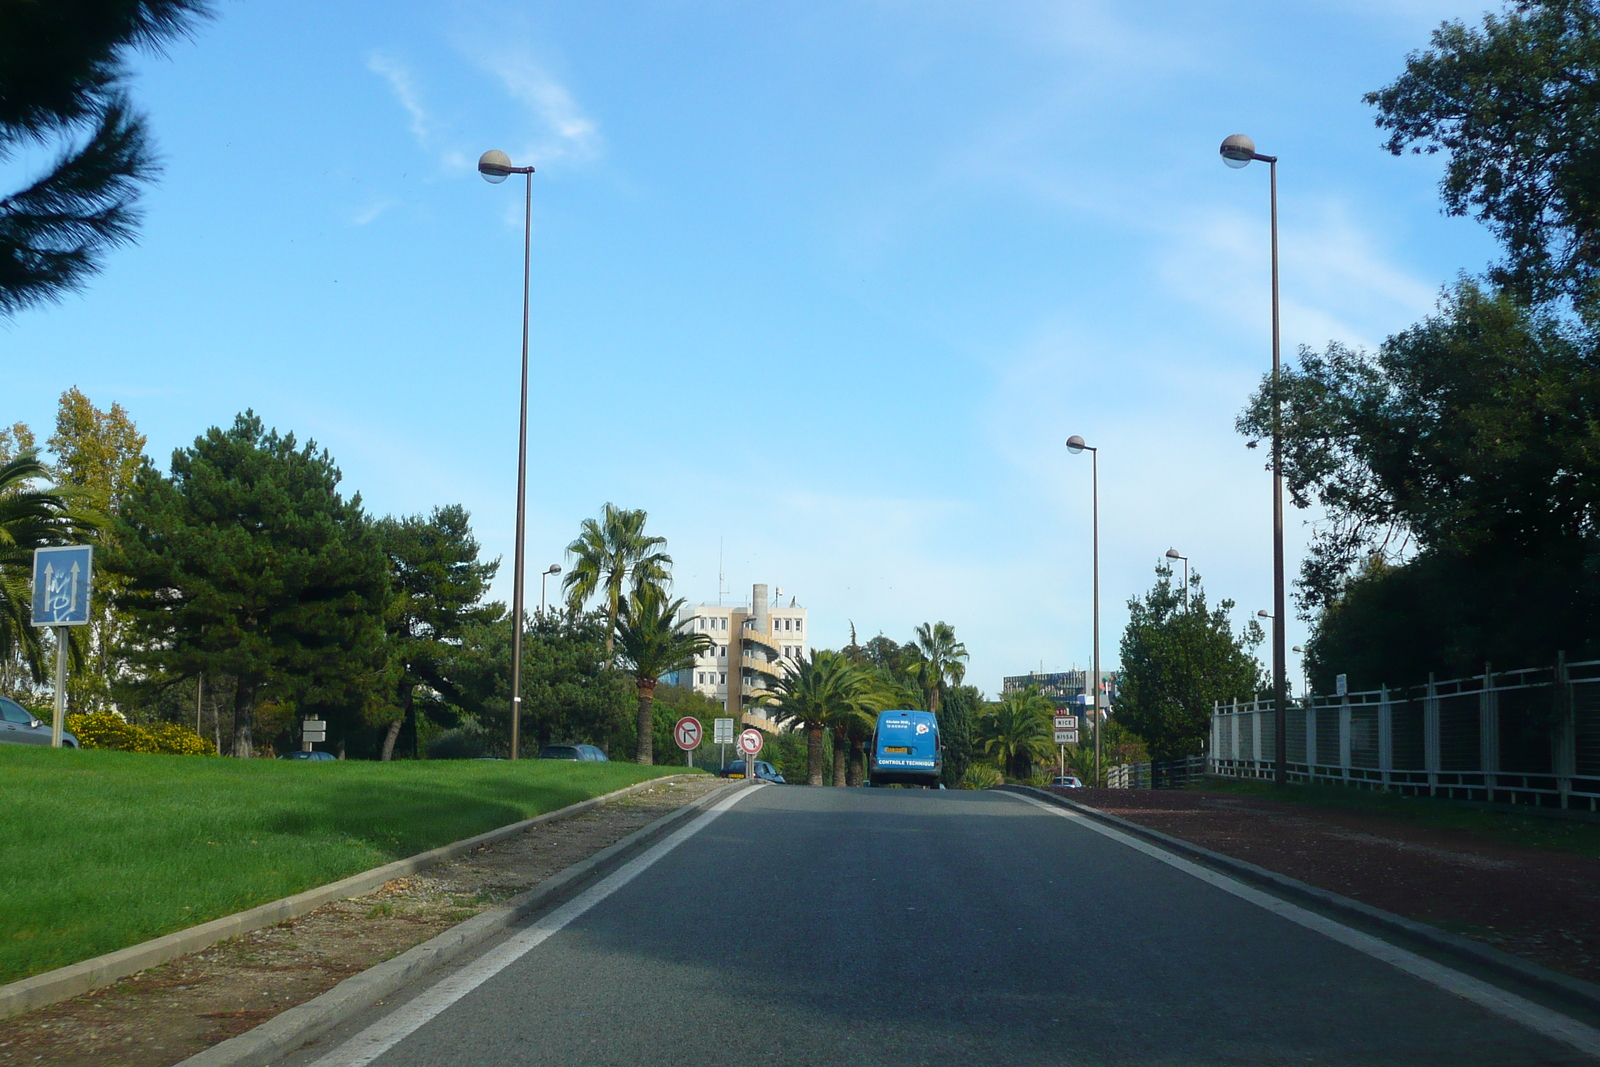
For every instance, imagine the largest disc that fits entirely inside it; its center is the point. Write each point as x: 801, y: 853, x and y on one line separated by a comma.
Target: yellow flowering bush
x: 103, y: 729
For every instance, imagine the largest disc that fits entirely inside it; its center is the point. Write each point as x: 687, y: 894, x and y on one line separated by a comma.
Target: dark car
x: 765, y: 771
x: 586, y: 753
x: 19, y: 726
x: 307, y: 755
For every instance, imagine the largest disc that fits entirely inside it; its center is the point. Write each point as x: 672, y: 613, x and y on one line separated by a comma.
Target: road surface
x: 891, y: 927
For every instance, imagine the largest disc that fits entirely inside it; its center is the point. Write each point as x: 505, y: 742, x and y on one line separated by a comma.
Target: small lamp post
x: 554, y: 568
x: 1172, y: 553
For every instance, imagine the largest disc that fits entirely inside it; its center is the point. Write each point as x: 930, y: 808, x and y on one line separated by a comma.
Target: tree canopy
x: 1177, y: 662
x: 247, y: 561
x: 63, y: 73
x: 1515, y: 107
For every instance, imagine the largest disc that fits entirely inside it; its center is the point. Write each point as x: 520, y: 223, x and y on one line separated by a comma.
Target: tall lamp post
x: 554, y: 568
x: 1239, y: 151
x: 1172, y: 553
x: 495, y: 166
x: 1076, y: 445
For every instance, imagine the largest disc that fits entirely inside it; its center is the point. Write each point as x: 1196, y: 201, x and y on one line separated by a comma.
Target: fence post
x: 1385, y: 739
x: 1488, y: 732
x: 1255, y: 737
x: 1344, y: 738
x: 1216, y: 726
x: 1311, y: 740
x: 1233, y: 753
x: 1566, y: 761
x: 1430, y: 735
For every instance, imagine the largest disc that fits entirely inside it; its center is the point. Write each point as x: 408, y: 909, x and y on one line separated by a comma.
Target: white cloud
x: 371, y: 212
x: 564, y: 130
x: 404, y: 86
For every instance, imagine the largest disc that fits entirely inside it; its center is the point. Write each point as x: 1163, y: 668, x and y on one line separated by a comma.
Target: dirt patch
x: 168, y: 1013
x: 1538, y: 903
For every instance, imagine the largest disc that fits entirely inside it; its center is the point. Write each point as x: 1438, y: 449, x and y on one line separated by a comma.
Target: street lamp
x: 1172, y: 553
x: 1239, y: 151
x: 555, y: 568
x: 495, y: 166
x: 1076, y: 445
x: 1305, y: 678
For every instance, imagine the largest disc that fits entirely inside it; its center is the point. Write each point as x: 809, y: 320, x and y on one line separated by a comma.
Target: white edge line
x: 1536, y: 1017
x: 410, y: 1017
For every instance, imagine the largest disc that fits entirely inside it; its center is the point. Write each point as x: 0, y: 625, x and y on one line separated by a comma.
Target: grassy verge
x: 1533, y: 831
x: 106, y: 849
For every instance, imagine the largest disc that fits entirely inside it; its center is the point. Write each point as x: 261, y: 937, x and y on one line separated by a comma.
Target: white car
x: 1066, y: 781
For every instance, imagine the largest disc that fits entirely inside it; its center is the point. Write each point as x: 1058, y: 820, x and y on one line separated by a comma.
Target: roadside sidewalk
x: 166, y: 1014
x: 1539, y: 903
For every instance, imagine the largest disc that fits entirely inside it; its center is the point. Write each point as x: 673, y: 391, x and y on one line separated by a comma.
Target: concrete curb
x: 289, y: 1030
x: 1571, y: 990
x: 75, y: 979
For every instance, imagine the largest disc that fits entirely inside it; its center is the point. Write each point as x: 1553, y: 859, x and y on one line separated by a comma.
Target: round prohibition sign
x: 688, y: 733
x: 750, y: 742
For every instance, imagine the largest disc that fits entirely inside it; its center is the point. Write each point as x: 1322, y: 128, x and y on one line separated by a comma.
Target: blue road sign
x: 61, y: 578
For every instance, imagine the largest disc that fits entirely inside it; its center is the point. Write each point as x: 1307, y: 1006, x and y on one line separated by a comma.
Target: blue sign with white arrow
x: 61, y: 579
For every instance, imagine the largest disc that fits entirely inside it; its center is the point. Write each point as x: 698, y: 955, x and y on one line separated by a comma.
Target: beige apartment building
x: 752, y: 645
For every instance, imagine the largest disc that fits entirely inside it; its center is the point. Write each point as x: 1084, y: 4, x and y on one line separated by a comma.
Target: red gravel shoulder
x: 1538, y: 903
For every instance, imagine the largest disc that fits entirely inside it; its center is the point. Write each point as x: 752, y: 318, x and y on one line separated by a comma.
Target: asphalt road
x: 823, y: 926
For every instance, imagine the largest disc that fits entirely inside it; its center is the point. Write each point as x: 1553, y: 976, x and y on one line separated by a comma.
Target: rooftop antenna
x: 720, y: 589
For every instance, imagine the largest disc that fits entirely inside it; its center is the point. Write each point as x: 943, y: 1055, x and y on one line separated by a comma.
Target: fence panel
x: 1529, y: 736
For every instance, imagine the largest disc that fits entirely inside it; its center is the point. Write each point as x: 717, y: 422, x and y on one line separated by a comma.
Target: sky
x: 823, y: 286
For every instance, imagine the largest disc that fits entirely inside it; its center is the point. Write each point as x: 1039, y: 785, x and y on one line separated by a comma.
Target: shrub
x: 105, y: 729
x: 981, y: 776
x: 457, y: 744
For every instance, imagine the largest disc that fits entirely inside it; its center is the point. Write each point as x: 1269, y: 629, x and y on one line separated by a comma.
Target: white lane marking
x: 1584, y: 1038
x: 410, y: 1017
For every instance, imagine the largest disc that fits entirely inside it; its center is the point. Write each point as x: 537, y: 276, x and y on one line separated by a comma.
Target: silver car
x: 19, y: 726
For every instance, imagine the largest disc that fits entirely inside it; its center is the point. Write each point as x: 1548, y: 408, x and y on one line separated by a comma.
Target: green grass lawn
x: 1506, y: 827
x: 101, y: 850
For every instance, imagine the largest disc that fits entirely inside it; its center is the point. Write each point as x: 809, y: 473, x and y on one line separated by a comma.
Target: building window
x: 798, y: 623
x: 722, y: 680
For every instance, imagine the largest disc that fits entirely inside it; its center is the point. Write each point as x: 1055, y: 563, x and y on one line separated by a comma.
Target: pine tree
x: 247, y: 562
x: 62, y: 72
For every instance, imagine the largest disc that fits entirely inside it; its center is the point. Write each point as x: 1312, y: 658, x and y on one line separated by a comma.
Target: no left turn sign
x: 750, y: 742
x: 687, y: 732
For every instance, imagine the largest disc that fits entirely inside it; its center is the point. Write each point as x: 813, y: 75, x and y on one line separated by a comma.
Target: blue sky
x: 825, y: 284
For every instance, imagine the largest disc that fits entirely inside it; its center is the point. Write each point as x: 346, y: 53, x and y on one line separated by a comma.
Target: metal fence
x: 1161, y: 774
x: 1529, y: 736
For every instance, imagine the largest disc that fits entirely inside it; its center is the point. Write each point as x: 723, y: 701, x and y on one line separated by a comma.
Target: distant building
x: 1065, y: 687
x: 754, y: 643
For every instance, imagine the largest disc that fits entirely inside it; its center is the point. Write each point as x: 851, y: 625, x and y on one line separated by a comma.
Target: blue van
x: 905, y: 750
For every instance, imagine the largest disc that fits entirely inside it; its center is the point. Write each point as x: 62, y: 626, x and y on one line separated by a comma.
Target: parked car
x: 585, y: 753
x: 1066, y: 782
x: 307, y: 755
x: 19, y: 726
x: 765, y: 771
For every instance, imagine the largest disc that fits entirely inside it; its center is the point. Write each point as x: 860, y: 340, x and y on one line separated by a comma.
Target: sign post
x: 722, y: 737
x: 62, y: 576
x: 750, y: 743
x: 688, y: 734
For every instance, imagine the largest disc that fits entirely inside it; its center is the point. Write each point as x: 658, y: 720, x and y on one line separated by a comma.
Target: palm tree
x: 941, y: 661
x: 32, y: 518
x: 653, y: 645
x: 817, y: 694
x: 609, y: 554
x: 1016, y: 731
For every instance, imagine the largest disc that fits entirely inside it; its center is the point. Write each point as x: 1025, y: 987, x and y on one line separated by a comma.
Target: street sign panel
x: 750, y: 742
x: 1066, y: 737
x: 313, y: 730
x: 1066, y: 722
x: 722, y: 731
x: 687, y: 733
x: 61, y: 578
